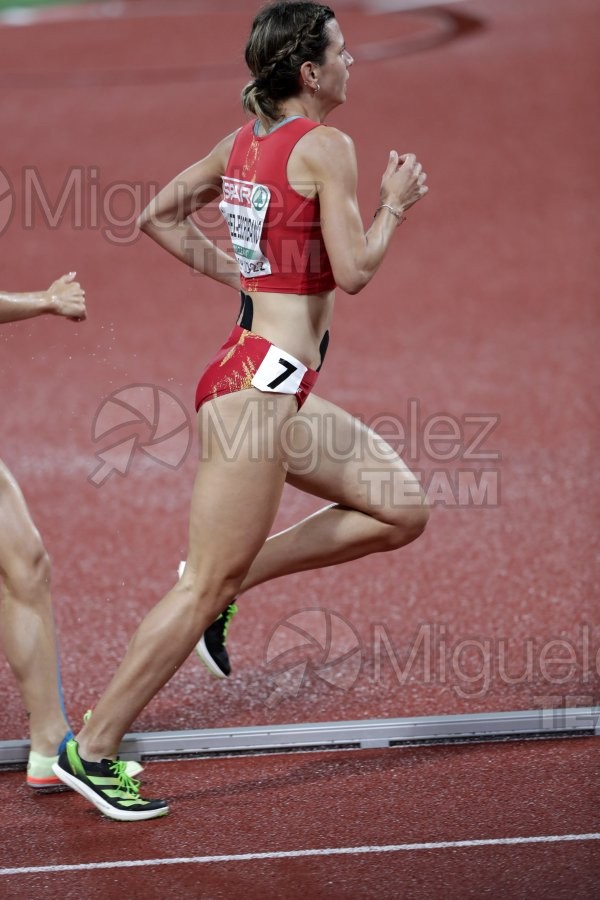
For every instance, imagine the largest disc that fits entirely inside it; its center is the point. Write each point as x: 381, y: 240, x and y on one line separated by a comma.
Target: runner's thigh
x: 334, y: 455
x: 240, y: 479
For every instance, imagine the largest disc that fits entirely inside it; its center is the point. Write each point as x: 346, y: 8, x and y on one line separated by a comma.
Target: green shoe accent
x: 74, y: 761
x: 228, y: 616
x: 132, y: 766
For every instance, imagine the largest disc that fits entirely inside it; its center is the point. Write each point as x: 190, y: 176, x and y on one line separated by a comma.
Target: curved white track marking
x: 23, y: 16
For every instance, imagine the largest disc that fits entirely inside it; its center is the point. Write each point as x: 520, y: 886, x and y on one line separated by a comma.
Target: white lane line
x: 292, y: 854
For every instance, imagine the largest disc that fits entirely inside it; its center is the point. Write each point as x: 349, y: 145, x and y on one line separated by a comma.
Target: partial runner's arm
x: 64, y: 297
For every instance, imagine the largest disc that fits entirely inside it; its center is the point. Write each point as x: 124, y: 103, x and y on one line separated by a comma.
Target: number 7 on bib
x: 279, y: 372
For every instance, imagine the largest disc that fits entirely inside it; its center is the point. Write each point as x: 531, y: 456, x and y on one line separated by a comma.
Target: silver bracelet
x: 393, y: 211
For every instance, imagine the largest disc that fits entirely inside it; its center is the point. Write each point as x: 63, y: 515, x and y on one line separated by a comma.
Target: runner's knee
x: 407, y: 524
x: 211, y: 592
x: 29, y: 575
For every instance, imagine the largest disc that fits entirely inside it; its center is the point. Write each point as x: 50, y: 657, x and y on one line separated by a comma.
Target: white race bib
x: 279, y: 372
x: 244, y: 207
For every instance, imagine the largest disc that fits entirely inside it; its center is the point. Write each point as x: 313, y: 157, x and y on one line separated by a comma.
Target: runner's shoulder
x: 328, y: 148
x: 331, y: 139
x: 221, y: 152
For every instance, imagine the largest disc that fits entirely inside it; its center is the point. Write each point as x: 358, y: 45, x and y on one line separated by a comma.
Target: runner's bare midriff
x: 294, y: 322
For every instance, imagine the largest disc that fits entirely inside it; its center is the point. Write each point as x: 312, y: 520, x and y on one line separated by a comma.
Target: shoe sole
x: 120, y: 815
x: 206, y: 658
x: 46, y: 784
x: 51, y: 783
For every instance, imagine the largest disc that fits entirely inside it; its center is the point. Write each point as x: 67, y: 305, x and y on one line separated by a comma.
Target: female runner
x: 288, y: 189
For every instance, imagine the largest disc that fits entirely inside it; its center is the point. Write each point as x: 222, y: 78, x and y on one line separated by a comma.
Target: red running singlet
x: 275, y: 231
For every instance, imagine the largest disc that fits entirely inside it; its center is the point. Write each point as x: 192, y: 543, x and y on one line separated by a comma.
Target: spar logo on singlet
x: 244, y: 207
x: 260, y: 197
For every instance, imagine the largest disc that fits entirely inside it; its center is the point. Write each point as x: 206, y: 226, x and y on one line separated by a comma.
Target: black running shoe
x: 107, y: 785
x: 211, y: 646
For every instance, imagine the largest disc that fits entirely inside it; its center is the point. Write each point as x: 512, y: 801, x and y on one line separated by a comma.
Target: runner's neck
x: 258, y: 128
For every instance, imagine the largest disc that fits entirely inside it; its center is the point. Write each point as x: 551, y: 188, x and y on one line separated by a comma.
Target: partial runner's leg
x: 26, y: 622
x: 378, y: 502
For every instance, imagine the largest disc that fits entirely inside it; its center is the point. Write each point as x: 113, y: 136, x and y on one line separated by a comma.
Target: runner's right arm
x: 355, y: 255
x: 167, y: 218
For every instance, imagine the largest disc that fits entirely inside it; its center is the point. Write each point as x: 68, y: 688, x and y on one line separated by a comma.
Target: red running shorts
x: 248, y: 360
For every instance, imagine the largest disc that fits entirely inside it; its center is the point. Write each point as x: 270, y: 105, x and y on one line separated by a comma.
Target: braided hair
x: 284, y: 36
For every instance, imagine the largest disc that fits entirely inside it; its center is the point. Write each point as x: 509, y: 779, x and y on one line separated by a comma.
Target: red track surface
x: 303, y: 802
x: 485, y: 307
